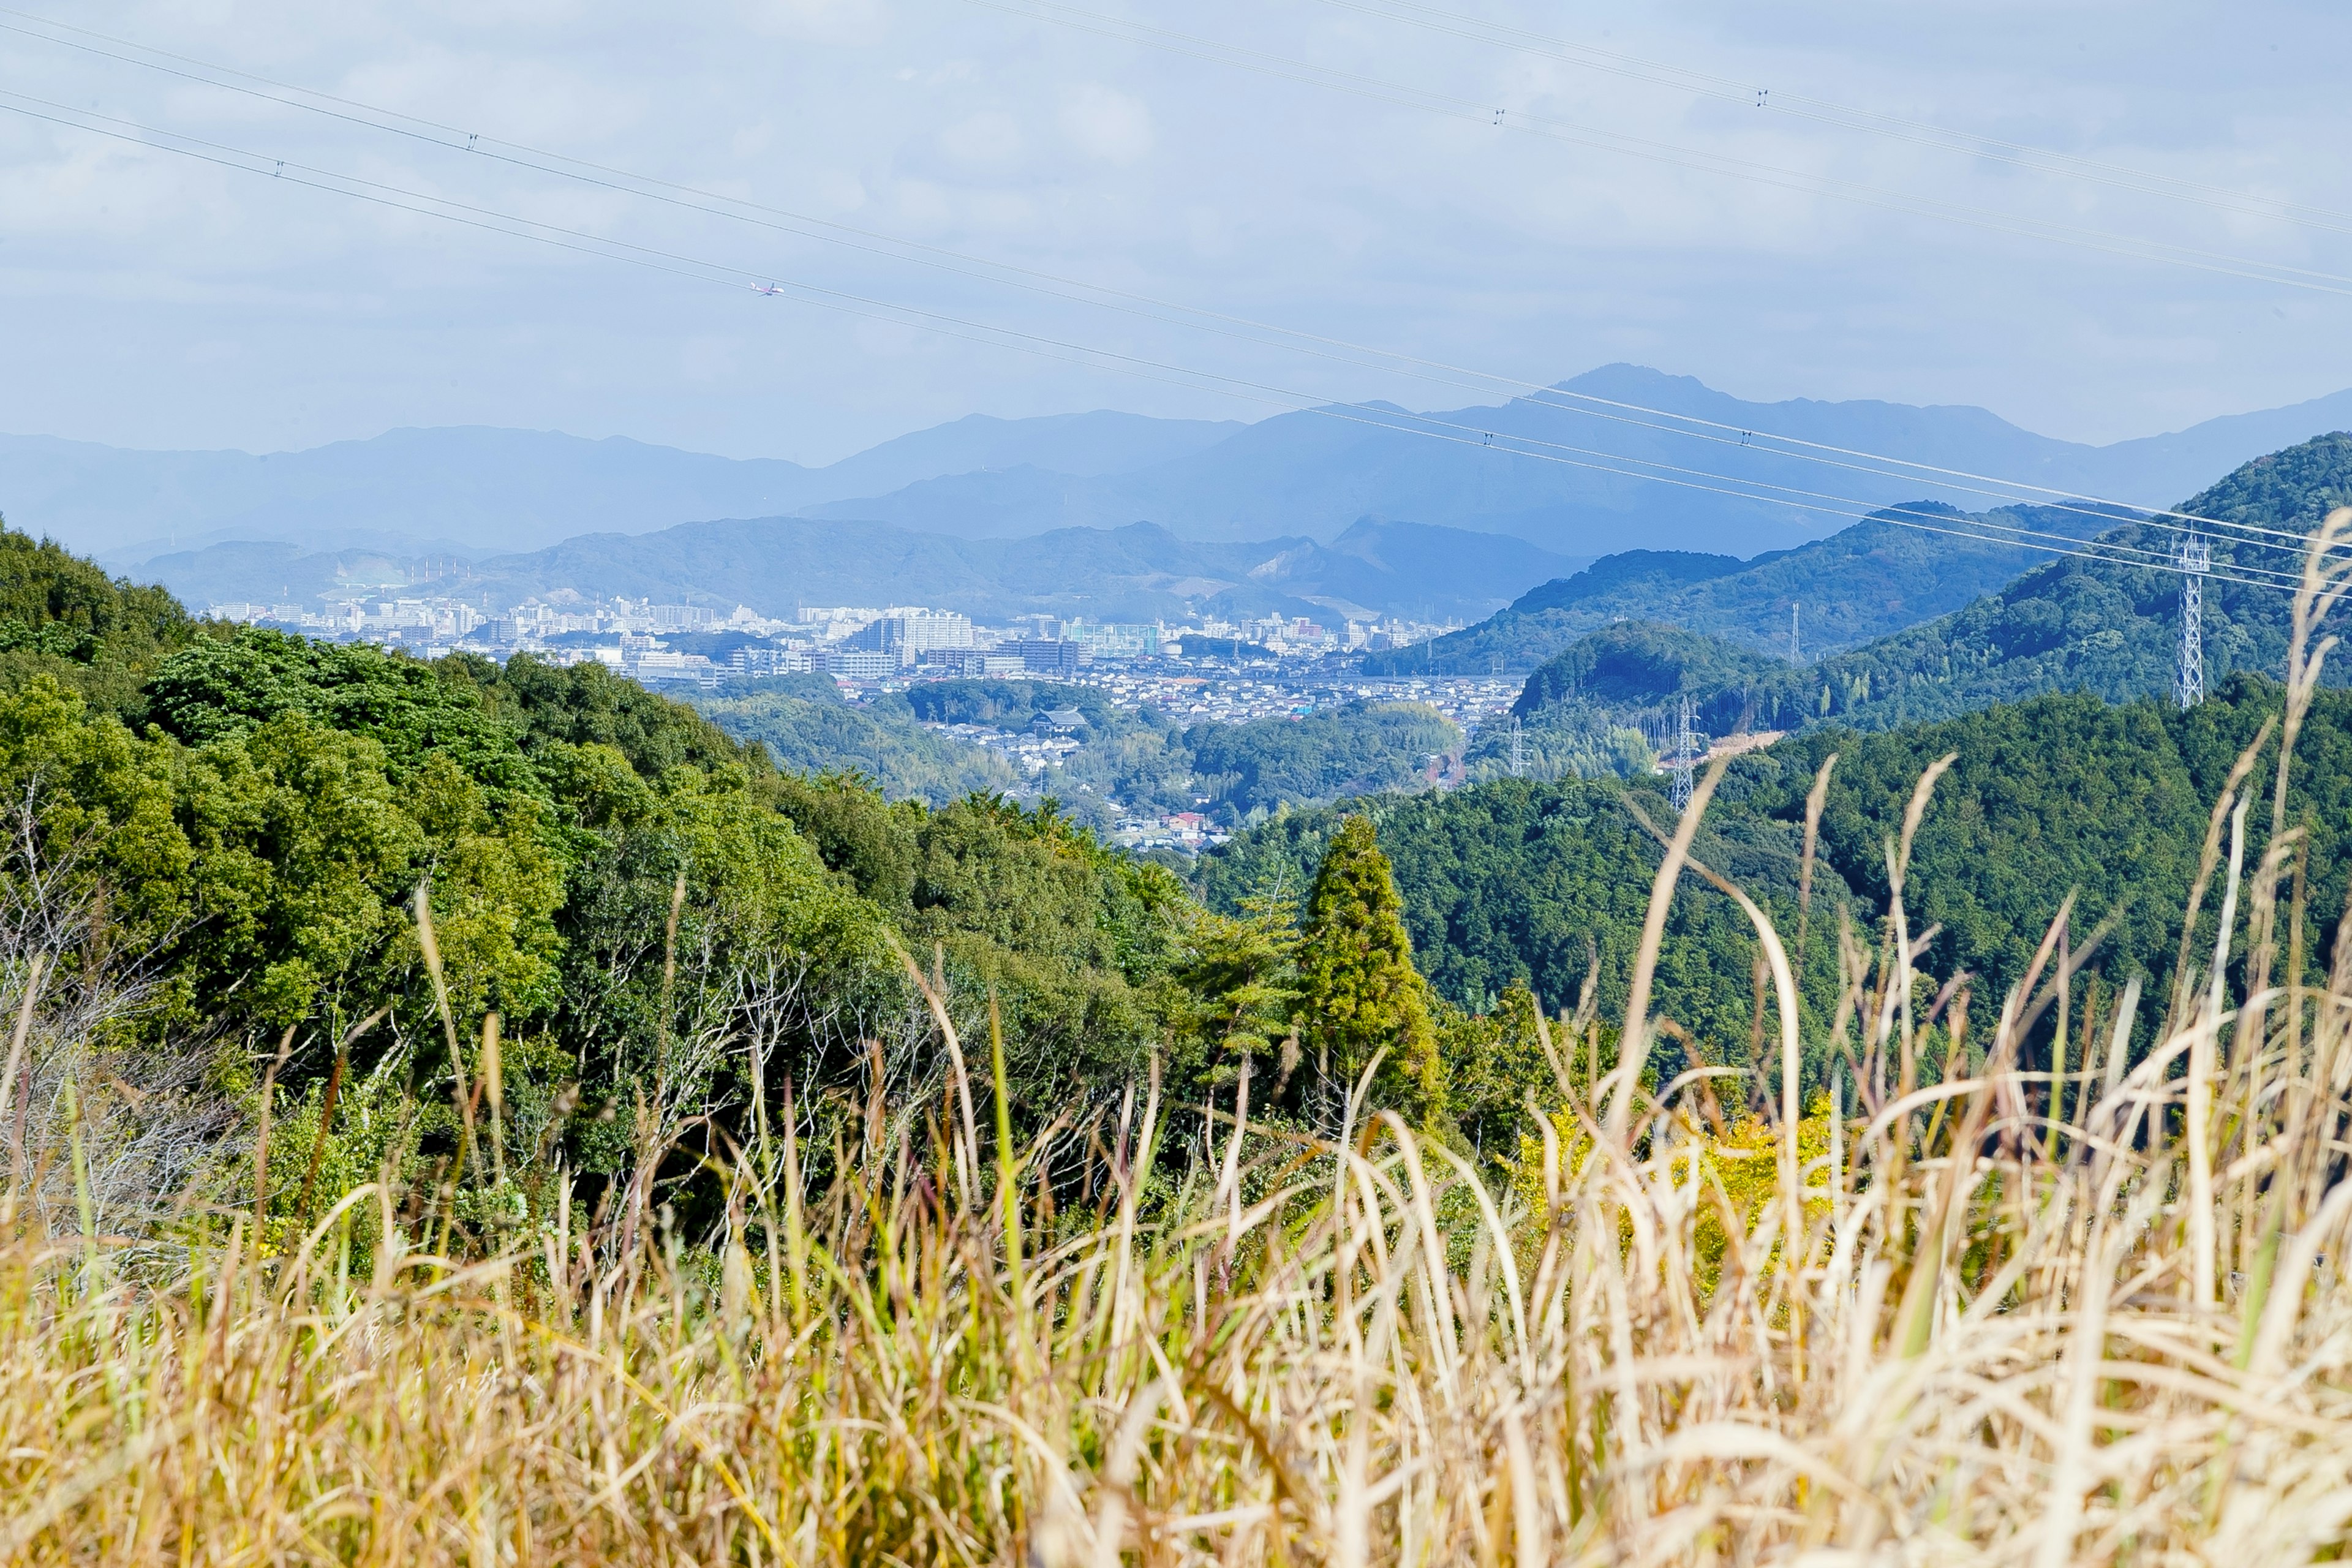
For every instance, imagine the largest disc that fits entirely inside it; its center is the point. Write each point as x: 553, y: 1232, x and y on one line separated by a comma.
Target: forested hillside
x: 245, y: 819
x: 2073, y: 624
x: 95, y: 636
x: 806, y: 727
x: 1864, y: 582
x: 1129, y: 760
x: 1515, y: 881
x: 240, y: 836
x: 2076, y: 625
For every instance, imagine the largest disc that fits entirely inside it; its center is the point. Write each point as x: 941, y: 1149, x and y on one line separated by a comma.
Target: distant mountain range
x: 1546, y: 478
x: 1526, y: 468
x: 1141, y: 571
x: 476, y: 492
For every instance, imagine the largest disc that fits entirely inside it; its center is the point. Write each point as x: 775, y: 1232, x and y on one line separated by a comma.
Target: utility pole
x: 1793, y: 647
x: 2195, y: 558
x: 1686, y: 758
x: 1519, y: 751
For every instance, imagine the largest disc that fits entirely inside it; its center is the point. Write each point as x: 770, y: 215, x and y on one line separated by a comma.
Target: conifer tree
x: 1362, y: 994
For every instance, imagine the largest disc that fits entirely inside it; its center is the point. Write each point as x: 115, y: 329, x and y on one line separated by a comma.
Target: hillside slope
x: 1883, y: 573
x: 1511, y: 879
x: 2068, y: 624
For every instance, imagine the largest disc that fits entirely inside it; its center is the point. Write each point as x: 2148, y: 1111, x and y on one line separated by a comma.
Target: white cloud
x: 1532, y: 255
x: 818, y: 21
x: 988, y: 140
x: 1107, y: 125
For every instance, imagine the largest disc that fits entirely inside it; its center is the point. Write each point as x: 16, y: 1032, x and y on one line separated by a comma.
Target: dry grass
x: 2007, y: 1315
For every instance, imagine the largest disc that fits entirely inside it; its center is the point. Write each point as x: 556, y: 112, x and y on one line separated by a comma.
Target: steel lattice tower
x: 1519, y: 752
x: 1685, y: 760
x: 2194, y: 558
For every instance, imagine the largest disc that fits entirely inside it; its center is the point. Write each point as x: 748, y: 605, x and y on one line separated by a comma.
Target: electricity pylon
x: 1685, y: 760
x: 2195, y: 558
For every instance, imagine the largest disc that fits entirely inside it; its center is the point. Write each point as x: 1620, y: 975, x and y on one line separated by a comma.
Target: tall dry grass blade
x: 15, y: 1099
x: 2268, y: 1359
x: 1816, y: 800
x: 1899, y: 870
x: 1784, y: 985
x: 2326, y: 575
x: 2072, y: 1472
x: 430, y: 946
x: 1008, y: 1163
x: 967, y: 1151
x: 1633, y: 1043
x: 2208, y: 860
x: 2199, y: 1122
x: 261, y: 1135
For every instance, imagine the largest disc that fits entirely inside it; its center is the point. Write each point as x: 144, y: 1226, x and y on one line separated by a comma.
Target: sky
x: 1041, y: 208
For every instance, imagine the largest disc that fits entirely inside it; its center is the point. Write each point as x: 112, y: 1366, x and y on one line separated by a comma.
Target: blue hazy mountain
x: 1312, y: 473
x: 477, y: 492
x: 1139, y: 572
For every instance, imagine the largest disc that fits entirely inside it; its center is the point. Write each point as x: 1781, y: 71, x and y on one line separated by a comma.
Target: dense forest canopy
x: 91, y: 634
x: 1515, y: 881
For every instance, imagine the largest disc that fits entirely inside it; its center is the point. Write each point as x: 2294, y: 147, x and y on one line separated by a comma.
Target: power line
x: 1599, y: 137
x: 1689, y: 426
x: 1970, y: 143
x: 701, y: 269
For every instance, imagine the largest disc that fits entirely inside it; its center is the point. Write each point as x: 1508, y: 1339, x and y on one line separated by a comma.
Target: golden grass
x: 2005, y: 1316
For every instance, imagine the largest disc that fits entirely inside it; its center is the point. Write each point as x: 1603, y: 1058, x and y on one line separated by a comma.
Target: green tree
x: 63, y: 617
x: 1240, y: 973
x: 1362, y: 994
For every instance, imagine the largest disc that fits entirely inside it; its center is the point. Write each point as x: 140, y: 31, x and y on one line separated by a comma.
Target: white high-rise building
x: 910, y: 633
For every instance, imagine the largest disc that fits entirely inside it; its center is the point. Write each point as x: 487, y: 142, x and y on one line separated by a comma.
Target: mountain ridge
x: 478, y: 490
x: 1139, y: 572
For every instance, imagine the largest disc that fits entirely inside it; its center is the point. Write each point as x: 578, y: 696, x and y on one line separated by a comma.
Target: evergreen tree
x: 1361, y: 992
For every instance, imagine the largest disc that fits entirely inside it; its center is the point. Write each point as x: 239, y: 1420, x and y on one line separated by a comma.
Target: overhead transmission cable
x: 702, y: 269
x: 1798, y: 105
x: 1470, y: 110
x: 1689, y: 426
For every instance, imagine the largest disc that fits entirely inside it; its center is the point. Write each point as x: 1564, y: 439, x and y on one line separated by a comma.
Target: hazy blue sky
x: 147, y: 300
